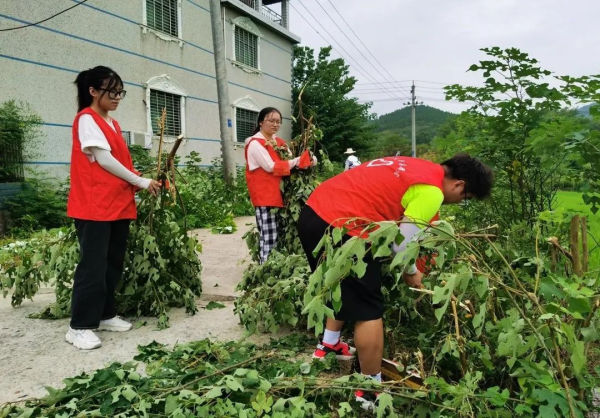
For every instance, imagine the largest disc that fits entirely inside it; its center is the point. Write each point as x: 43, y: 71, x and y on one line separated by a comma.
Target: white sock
x: 374, y: 376
x: 331, y: 337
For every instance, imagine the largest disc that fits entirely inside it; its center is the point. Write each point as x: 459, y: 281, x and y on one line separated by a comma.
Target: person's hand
x: 414, y: 280
x: 154, y: 187
x: 314, y: 160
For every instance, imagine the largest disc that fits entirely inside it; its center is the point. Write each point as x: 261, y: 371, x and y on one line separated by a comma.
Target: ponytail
x: 262, y: 115
x: 94, y: 77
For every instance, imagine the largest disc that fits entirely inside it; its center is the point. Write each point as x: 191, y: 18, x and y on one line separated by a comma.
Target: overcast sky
x: 437, y: 40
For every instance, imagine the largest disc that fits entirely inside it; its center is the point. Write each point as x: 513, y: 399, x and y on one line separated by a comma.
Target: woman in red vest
x: 264, y: 171
x: 387, y: 189
x: 101, y: 201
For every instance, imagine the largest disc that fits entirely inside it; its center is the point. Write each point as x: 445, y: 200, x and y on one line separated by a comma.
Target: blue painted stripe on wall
x: 276, y: 46
x: 68, y: 163
x: 269, y: 42
x: 186, y: 41
x: 135, y: 54
x: 57, y: 125
x: 62, y: 125
x: 200, y: 7
x: 56, y: 67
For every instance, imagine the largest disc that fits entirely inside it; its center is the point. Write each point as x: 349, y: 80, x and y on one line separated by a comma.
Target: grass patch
x: 572, y: 202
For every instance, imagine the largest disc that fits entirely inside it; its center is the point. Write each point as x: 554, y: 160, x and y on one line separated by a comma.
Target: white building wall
x: 39, y: 64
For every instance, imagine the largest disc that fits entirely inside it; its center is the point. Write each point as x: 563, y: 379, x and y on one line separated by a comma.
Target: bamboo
x: 585, y: 260
x: 574, y: 245
x: 161, y: 125
x: 461, y: 348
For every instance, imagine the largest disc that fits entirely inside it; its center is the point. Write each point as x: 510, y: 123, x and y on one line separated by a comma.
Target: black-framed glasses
x: 113, y: 94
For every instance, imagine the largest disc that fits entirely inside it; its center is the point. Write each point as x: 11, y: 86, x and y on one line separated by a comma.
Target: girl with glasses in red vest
x: 264, y: 171
x: 101, y: 201
x: 408, y: 190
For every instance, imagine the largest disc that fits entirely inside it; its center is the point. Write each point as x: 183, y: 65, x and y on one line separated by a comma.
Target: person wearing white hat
x: 352, y: 160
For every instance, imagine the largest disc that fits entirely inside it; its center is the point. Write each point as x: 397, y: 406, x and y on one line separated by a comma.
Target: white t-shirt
x: 96, y: 147
x: 90, y: 135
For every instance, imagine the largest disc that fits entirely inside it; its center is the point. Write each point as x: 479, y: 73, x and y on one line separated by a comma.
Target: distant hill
x: 585, y: 110
x: 428, y: 120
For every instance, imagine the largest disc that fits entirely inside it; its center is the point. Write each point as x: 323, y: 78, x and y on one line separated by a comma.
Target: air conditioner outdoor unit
x: 142, y: 139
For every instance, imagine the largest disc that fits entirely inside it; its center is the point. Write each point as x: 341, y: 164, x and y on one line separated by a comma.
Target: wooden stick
x: 476, y: 236
x: 574, y: 245
x: 430, y: 292
x: 585, y: 255
x: 553, y: 259
x: 554, y: 242
x: 463, y: 356
x: 161, y: 125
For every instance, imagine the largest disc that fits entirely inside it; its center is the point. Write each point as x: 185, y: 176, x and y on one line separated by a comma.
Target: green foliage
x: 206, y: 379
x: 40, y: 205
x: 20, y: 128
x: 206, y: 199
x: 273, y: 293
x: 324, y: 84
x: 162, y: 269
x: 524, y: 330
x: 516, y: 126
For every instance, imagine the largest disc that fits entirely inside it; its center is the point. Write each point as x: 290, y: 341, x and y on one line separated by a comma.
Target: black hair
x: 262, y: 115
x: 477, y: 176
x: 94, y: 77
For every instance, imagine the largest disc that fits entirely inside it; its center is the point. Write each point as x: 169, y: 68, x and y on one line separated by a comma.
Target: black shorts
x: 362, y: 299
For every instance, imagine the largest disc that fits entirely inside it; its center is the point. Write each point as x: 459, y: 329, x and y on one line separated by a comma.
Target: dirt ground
x: 34, y: 354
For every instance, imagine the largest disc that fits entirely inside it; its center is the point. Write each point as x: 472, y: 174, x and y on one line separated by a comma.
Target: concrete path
x: 33, y: 353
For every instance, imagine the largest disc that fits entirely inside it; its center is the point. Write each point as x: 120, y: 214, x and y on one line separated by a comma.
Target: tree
x: 518, y: 128
x: 325, y: 84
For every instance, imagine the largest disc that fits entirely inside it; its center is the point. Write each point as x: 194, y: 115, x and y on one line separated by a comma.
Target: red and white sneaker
x: 342, y: 351
x: 367, y: 400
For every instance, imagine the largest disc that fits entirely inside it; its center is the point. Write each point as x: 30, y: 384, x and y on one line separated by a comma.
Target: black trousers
x: 102, y: 246
x: 362, y: 299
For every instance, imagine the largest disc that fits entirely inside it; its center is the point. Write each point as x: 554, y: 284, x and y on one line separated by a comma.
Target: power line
x: 353, y: 44
x: 357, y: 66
x: 45, y: 20
x: 373, y: 90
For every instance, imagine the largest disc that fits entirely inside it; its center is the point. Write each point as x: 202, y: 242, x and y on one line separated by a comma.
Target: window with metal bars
x: 245, y: 122
x: 160, y: 100
x: 162, y: 16
x: 246, y: 47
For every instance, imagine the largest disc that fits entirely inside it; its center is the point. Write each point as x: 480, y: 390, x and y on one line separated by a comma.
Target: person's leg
x: 368, y: 339
x: 89, y: 285
x: 266, y: 223
x: 311, y: 229
x: 116, y: 257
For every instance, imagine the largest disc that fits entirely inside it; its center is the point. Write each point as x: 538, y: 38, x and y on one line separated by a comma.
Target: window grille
x: 246, y: 47
x: 160, y: 100
x: 162, y: 16
x: 245, y: 122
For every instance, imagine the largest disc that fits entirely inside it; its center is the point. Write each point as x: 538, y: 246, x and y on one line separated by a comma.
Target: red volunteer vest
x: 372, y: 191
x: 96, y: 194
x: 264, y: 187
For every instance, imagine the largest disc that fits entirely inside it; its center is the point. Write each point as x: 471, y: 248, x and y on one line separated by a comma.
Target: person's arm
x: 346, y: 164
x: 421, y: 203
x: 114, y: 167
x: 258, y: 157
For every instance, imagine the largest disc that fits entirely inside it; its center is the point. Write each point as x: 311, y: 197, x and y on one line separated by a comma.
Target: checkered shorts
x: 267, y: 228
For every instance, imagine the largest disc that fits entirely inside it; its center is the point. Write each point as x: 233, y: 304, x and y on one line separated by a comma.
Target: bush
x: 41, y: 205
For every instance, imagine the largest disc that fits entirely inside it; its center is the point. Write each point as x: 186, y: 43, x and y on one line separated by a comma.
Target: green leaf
x: 171, y: 404
x: 214, y: 393
x: 214, y: 305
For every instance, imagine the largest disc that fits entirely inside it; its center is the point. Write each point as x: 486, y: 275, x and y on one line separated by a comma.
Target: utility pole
x: 413, y: 103
x: 222, y: 91
x: 414, y: 129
